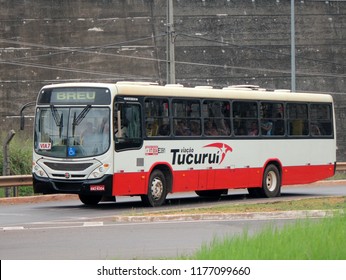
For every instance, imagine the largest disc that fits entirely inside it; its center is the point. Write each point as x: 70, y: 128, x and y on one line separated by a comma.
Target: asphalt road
x: 66, y: 229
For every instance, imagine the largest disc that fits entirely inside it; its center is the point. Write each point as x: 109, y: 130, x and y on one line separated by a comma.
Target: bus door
x: 128, y: 170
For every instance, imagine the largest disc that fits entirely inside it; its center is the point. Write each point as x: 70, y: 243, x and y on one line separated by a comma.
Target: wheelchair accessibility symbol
x: 71, y: 151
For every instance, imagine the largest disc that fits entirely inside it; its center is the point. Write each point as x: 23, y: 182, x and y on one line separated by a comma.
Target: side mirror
x: 22, y: 119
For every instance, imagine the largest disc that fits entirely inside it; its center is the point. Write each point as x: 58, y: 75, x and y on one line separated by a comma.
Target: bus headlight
x: 38, y: 170
x: 95, y: 175
x: 99, y: 171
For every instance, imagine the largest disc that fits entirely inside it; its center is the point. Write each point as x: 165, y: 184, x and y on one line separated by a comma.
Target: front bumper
x: 102, y: 186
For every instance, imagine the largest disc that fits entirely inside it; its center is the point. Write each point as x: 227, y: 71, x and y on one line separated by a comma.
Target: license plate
x: 97, y: 188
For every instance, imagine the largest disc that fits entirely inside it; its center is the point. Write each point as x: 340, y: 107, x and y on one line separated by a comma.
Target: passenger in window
x: 279, y: 128
x: 315, y: 130
x: 297, y: 127
x: 253, y: 131
x: 222, y: 128
x: 152, y: 128
x: 181, y: 129
x: 123, y: 132
x: 195, y: 128
x: 164, y: 130
x: 266, y: 127
x: 240, y: 131
x: 210, y: 128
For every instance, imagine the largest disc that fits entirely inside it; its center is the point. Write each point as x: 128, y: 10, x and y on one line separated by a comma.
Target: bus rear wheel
x: 271, y: 183
x: 90, y: 199
x: 157, y: 189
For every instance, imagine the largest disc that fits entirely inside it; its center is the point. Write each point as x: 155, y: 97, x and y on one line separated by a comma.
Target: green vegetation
x: 20, y: 152
x: 323, y: 239
x: 339, y: 175
x: 265, y: 205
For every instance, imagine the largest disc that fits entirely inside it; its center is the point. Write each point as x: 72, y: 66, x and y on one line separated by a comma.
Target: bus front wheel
x: 157, y: 189
x: 90, y: 199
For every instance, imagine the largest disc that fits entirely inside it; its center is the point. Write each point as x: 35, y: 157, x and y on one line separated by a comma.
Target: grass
x: 307, y: 239
x: 20, y: 153
x: 20, y: 163
x: 21, y: 191
x: 312, y: 239
x: 266, y: 205
x: 339, y: 175
x: 324, y: 239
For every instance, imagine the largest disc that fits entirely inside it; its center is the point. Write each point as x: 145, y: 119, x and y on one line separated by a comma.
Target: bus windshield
x: 72, y: 132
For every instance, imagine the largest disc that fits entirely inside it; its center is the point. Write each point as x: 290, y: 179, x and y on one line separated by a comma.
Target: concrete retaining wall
x: 217, y: 43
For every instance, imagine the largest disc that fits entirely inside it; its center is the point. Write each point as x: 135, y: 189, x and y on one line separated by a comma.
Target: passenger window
x: 156, y: 117
x: 321, y: 120
x: 186, y: 117
x: 297, y: 115
x: 216, y: 118
x: 127, y: 126
x: 245, y: 118
x: 272, y: 122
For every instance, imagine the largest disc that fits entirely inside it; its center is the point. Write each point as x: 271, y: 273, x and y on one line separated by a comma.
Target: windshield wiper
x: 59, y: 120
x: 56, y: 116
x: 61, y: 124
x: 77, y: 120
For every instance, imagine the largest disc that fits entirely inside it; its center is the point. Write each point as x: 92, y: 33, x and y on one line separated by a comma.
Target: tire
x: 271, y: 182
x: 157, y: 189
x: 90, y: 200
x: 211, y: 193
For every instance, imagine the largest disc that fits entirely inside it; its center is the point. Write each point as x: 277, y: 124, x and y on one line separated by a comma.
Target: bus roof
x: 245, y: 92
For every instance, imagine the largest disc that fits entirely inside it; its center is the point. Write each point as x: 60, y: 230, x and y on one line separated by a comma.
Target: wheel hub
x: 271, y: 181
x: 156, y: 189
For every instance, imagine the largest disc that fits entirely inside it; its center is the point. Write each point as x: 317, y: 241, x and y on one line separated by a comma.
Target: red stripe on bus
x: 136, y: 183
x: 131, y: 183
x: 306, y: 174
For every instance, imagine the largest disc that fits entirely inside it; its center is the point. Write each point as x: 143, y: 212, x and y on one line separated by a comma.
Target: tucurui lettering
x: 183, y: 158
x: 187, y: 155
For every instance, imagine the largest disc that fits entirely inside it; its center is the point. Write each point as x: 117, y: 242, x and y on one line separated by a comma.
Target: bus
x: 103, y: 140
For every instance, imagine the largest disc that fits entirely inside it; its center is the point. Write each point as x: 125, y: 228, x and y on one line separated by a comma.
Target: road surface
x: 67, y: 229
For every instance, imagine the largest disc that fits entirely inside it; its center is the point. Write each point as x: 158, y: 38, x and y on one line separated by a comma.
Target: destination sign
x: 72, y: 96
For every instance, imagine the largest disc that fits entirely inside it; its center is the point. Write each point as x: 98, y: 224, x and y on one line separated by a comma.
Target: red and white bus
x: 102, y: 140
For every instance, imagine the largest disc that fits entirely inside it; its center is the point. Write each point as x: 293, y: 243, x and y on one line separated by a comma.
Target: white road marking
x: 13, y: 228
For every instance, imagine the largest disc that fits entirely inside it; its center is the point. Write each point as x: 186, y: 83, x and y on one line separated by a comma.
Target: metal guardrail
x: 15, y: 181
x: 341, y: 166
x: 26, y: 180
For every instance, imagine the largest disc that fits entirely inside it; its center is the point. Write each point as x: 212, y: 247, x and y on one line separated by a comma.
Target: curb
x: 225, y: 216
x: 37, y: 198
